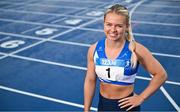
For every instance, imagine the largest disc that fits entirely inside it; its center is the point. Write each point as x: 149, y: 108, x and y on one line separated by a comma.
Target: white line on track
x: 156, y: 13
x: 166, y: 55
x: 5, y: 38
x: 80, y: 1
x: 34, y: 23
x: 77, y: 67
x: 71, y: 66
x: 176, y: 107
x: 44, y: 13
x: 166, y: 94
x: 156, y: 23
x: 161, y: 6
x: 55, y: 25
x: 157, y: 36
x: 77, y: 7
x: 52, y: 37
x: 44, y: 97
x: 35, y: 28
x: 83, y: 68
x: 78, y: 44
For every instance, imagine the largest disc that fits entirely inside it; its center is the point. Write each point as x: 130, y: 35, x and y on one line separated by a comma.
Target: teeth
x: 112, y: 34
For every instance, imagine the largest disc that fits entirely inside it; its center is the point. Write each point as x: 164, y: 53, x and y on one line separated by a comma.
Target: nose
x: 113, y: 29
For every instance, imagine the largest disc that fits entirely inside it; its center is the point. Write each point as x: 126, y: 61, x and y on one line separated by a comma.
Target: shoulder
x: 142, y: 51
x: 98, y: 45
x: 92, y: 47
x: 140, y: 47
x: 91, y: 50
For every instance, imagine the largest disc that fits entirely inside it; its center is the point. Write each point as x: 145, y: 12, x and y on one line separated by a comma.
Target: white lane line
x: 44, y: 13
x: 170, y: 99
x: 90, y: 29
x: 35, y: 28
x: 5, y: 38
x: 161, y: 6
x: 128, y: 1
x: 98, y: 30
x: 40, y: 42
x: 52, y: 37
x: 48, y: 5
x: 77, y: 7
x: 167, y: 82
x: 41, y: 39
x: 169, y: 96
x: 166, y: 55
x: 83, y: 68
x: 157, y: 36
x: 84, y: 1
x: 44, y: 97
x: 174, y: 104
x: 35, y: 23
x: 156, y: 23
x: 156, y: 13
x: 74, y: 43
x: 48, y: 62
x: 72, y: 66
x: 55, y: 25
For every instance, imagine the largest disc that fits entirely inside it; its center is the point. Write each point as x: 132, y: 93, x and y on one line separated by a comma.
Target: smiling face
x: 115, y: 26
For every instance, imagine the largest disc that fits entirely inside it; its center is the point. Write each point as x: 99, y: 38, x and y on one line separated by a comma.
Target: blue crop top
x: 118, y: 71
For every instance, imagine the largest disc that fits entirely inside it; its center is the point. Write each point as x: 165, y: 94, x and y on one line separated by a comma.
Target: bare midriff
x: 112, y: 91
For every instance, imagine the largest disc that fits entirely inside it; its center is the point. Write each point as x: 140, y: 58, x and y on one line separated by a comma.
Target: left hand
x: 131, y: 102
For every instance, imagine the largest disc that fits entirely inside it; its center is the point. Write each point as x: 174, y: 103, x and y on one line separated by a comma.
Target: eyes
x: 109, y: 25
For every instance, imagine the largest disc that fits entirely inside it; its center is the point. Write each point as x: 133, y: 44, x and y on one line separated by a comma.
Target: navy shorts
x: 112, y: 104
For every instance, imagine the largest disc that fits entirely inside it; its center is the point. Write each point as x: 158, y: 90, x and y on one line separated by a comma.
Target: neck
x: 115, y: 44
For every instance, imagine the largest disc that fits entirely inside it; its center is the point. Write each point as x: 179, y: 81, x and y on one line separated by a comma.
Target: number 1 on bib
x: 108, y: 69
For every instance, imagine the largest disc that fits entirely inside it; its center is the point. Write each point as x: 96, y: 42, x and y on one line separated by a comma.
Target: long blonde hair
x: 121, y: 10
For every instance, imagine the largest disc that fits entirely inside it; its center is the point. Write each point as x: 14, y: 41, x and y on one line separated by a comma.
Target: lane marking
x: 31, y: 29
x: 97, y: 30
x: 56, y: 25
x: 170, y: 99
x: 156, y: 23
x: 62, y: 0
x: 72, y: 66
x: 161, y: 6
x: 166, y: 94
x: 83, y: 68
x: 167, y: 82
x: 45, y: 13
x: 166, y: 55
x: 78, y: 44
x: 44, y: 97
x: 5, y: 38
x: 156, y: 13
x: 134, y: 8
x: 157, y: 36
x: 52, y: 37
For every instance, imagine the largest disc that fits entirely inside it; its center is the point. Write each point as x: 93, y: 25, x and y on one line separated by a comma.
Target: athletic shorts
x: 112, y: 104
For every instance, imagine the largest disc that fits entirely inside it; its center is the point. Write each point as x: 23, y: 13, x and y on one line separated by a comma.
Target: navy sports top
x: 117, y: 71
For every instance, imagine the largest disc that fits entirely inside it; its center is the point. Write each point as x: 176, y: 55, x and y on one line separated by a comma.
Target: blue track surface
x: 44, y: 43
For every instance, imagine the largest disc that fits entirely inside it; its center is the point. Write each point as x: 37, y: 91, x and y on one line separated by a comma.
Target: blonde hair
x: 121, y: 10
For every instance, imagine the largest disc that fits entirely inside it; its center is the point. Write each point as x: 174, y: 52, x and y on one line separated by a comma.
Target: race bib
x: 113, y: 73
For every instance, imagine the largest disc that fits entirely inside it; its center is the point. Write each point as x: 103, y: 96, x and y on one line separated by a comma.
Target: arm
x: 154, y: 68
x: 145, y: 58
x: 90, y: 80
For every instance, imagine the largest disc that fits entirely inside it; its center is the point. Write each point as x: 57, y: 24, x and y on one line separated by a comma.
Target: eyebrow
x: 112, y: 23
